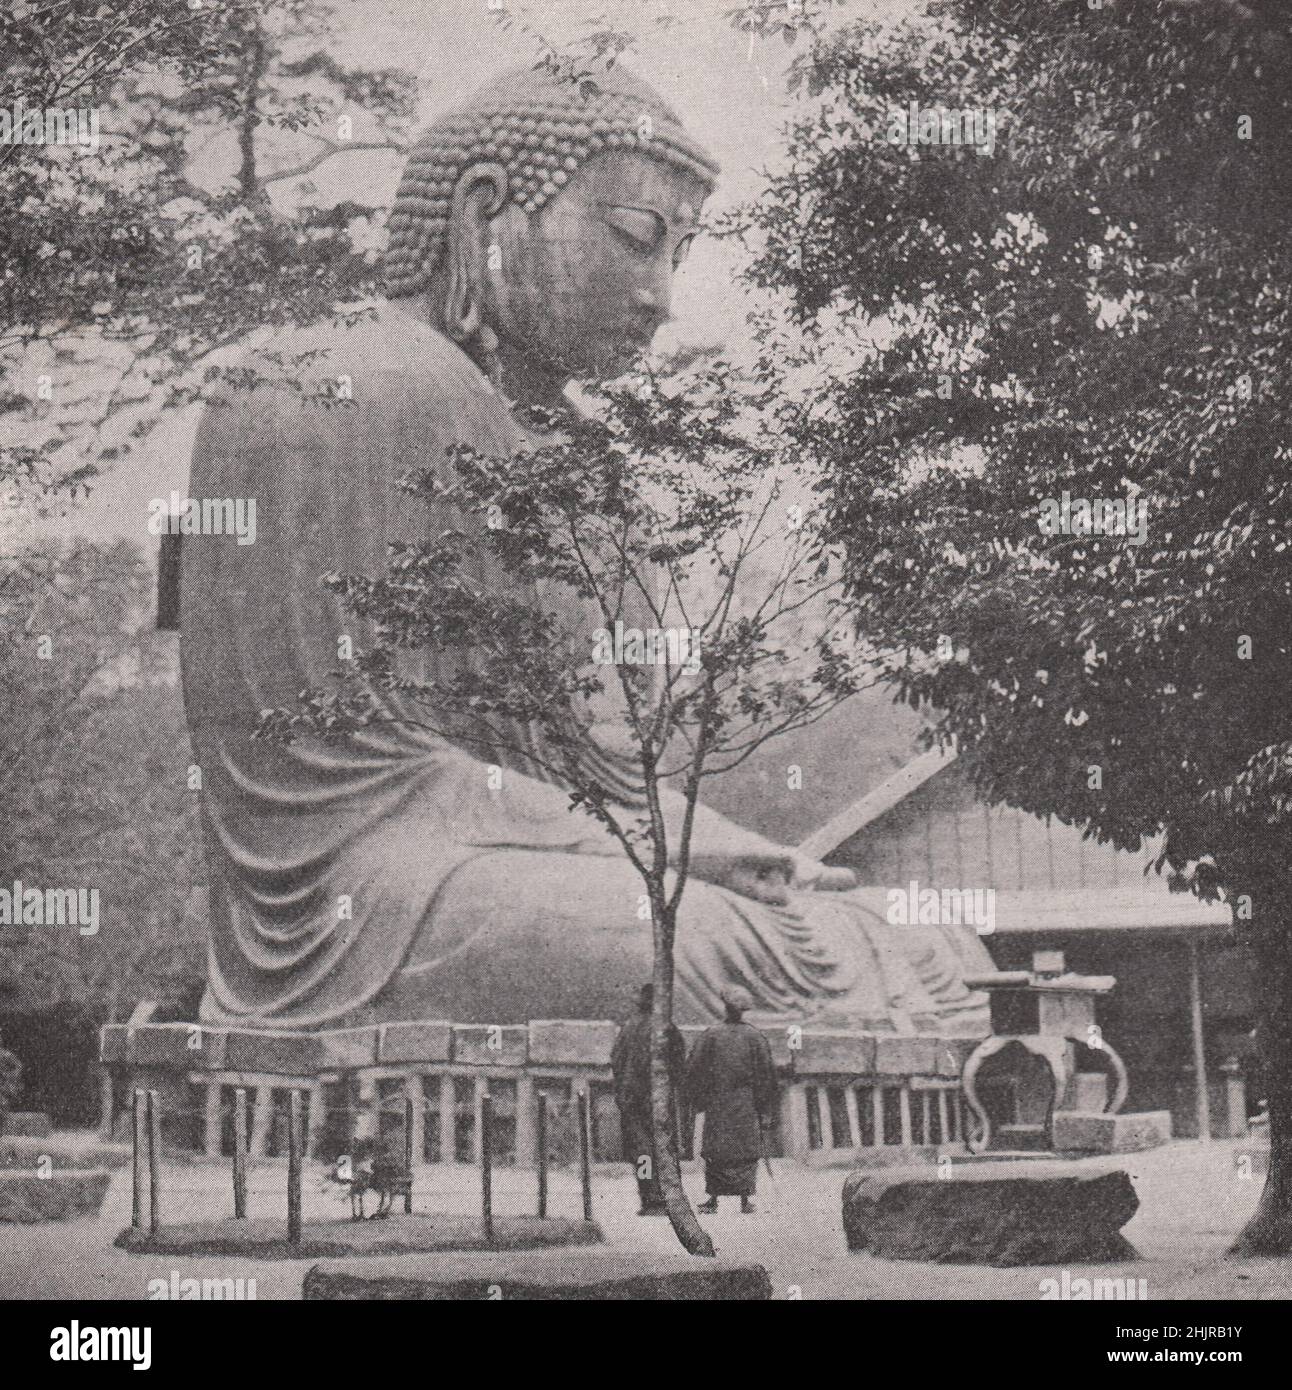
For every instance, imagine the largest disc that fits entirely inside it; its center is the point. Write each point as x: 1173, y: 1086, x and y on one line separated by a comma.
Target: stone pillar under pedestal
x: 448, y: 1119
x: 316, y: 1117
x: 525, y: 1138
x: 262, y: 1114
x: 1235, y: 1099
x: 211, y: 1129
x: 107, y: 1103
x: 365, y: 1117
x: 794, y: 1123
x: 854, y: 1116
x: 481, y: 1091
x: 415, y: 1095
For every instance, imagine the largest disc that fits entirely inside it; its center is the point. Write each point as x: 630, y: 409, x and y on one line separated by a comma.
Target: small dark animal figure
x: 369, y: 1167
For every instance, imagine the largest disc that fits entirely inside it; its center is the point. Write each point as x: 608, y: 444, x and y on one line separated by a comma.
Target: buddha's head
x: 540, y: 225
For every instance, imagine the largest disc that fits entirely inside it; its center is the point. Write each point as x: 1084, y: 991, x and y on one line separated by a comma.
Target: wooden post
x: 137, y: 1159
x: 154, y: 1162
x: 240, y: 1154
x: 294, y: 1168
x: 1201, y: 1098
x: 585, y: 1152
x: 211, y: 1120
x: 410, y: 1114
x: 541, y: 1140
x: 484, y: 1115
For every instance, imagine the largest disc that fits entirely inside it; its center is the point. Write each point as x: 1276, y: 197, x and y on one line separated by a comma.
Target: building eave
x: 842, y: 827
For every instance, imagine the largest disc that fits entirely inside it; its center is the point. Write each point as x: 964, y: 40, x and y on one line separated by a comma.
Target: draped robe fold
x: 400, y: 875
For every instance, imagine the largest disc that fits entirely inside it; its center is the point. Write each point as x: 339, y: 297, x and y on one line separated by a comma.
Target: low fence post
x: 585, y: 1151
x: 240, y: 1154
x: 294, y: 1168
x: 137, y: 1159
x: 486, y: 1166
x: 154, y: 1162
x: 541, y: 1097
x: 408, y: 1155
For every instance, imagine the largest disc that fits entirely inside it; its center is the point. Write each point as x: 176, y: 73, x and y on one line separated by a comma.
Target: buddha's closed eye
x: 638, y: 227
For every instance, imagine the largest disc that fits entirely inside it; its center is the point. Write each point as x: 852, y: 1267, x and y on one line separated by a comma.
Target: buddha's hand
x: 770, y: 877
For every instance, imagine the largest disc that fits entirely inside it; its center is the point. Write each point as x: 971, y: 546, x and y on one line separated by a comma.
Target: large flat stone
x: 26, y: 1199
x: 1127, y: 1133
x: 907, y: 1056
x: 300, y: 1054
x: 1039, y: 1212
x: 546, y: 1275
x: 415, y: 1042
x: 186, y: 1046
x: 491, y: 1045
x: 570, y: 1042
x: 847, y: 1054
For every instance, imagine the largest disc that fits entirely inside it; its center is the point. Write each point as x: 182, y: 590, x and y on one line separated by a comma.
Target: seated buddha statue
x: 404, y: 874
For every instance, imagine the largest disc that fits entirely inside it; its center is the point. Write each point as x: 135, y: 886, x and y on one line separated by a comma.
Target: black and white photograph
x: 646, y: 655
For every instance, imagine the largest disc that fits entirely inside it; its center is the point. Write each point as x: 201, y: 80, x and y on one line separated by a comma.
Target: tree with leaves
x: 186, y: 228
x: 658, y: 609
x: 1057, y: 449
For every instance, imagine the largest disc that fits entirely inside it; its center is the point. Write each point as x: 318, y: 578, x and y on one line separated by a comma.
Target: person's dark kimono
x: 732, y: 1078
x: 630, y: 1062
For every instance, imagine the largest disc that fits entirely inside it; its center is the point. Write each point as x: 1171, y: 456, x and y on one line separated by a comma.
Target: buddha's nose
x: 654, y: 302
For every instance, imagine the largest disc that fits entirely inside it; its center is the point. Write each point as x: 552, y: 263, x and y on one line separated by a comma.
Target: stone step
x: 1024, y: 1138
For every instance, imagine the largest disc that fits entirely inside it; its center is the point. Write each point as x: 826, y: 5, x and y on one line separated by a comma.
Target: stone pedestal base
x: 1081, y: 1132
x: 1043, y: 1212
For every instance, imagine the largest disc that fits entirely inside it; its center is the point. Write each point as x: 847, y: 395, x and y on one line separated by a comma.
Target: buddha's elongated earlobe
x: 480, y: 194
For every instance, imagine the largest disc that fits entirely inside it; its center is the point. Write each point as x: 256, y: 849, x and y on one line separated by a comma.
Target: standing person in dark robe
x: 630, y: 1062
x: 732, y: 1078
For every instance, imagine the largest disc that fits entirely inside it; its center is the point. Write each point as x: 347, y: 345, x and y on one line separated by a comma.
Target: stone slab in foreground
x: 541, y: 1275
x: 26, y: 1199
x: 263, y: 1238
x: 1018, y: 1213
